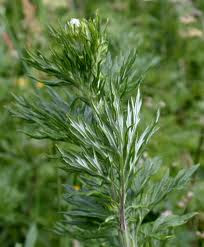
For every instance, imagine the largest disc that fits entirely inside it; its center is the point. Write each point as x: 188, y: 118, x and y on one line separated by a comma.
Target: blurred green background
x: 169, y: 37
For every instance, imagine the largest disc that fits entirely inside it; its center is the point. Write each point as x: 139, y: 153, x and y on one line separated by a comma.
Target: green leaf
x: 184, y: 176
x: 165, y: 222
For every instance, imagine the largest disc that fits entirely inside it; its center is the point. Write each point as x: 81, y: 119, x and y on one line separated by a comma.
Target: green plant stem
x: 123, y: 233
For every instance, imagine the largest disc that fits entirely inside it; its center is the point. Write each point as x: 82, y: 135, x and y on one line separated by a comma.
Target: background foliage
x: 173, y: 43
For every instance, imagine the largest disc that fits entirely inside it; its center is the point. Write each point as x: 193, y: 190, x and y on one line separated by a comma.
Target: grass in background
x: 168, y: 33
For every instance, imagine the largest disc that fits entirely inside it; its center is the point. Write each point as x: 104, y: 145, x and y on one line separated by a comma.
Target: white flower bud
x: 75, y: 22
x: 181, y: 204
x: 190, y: 194
x: 166, y: 213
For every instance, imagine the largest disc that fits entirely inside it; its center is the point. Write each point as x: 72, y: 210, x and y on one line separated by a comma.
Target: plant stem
x: 123, y: 233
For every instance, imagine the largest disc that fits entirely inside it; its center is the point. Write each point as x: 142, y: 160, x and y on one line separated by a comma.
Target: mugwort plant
x: 92, y: 111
